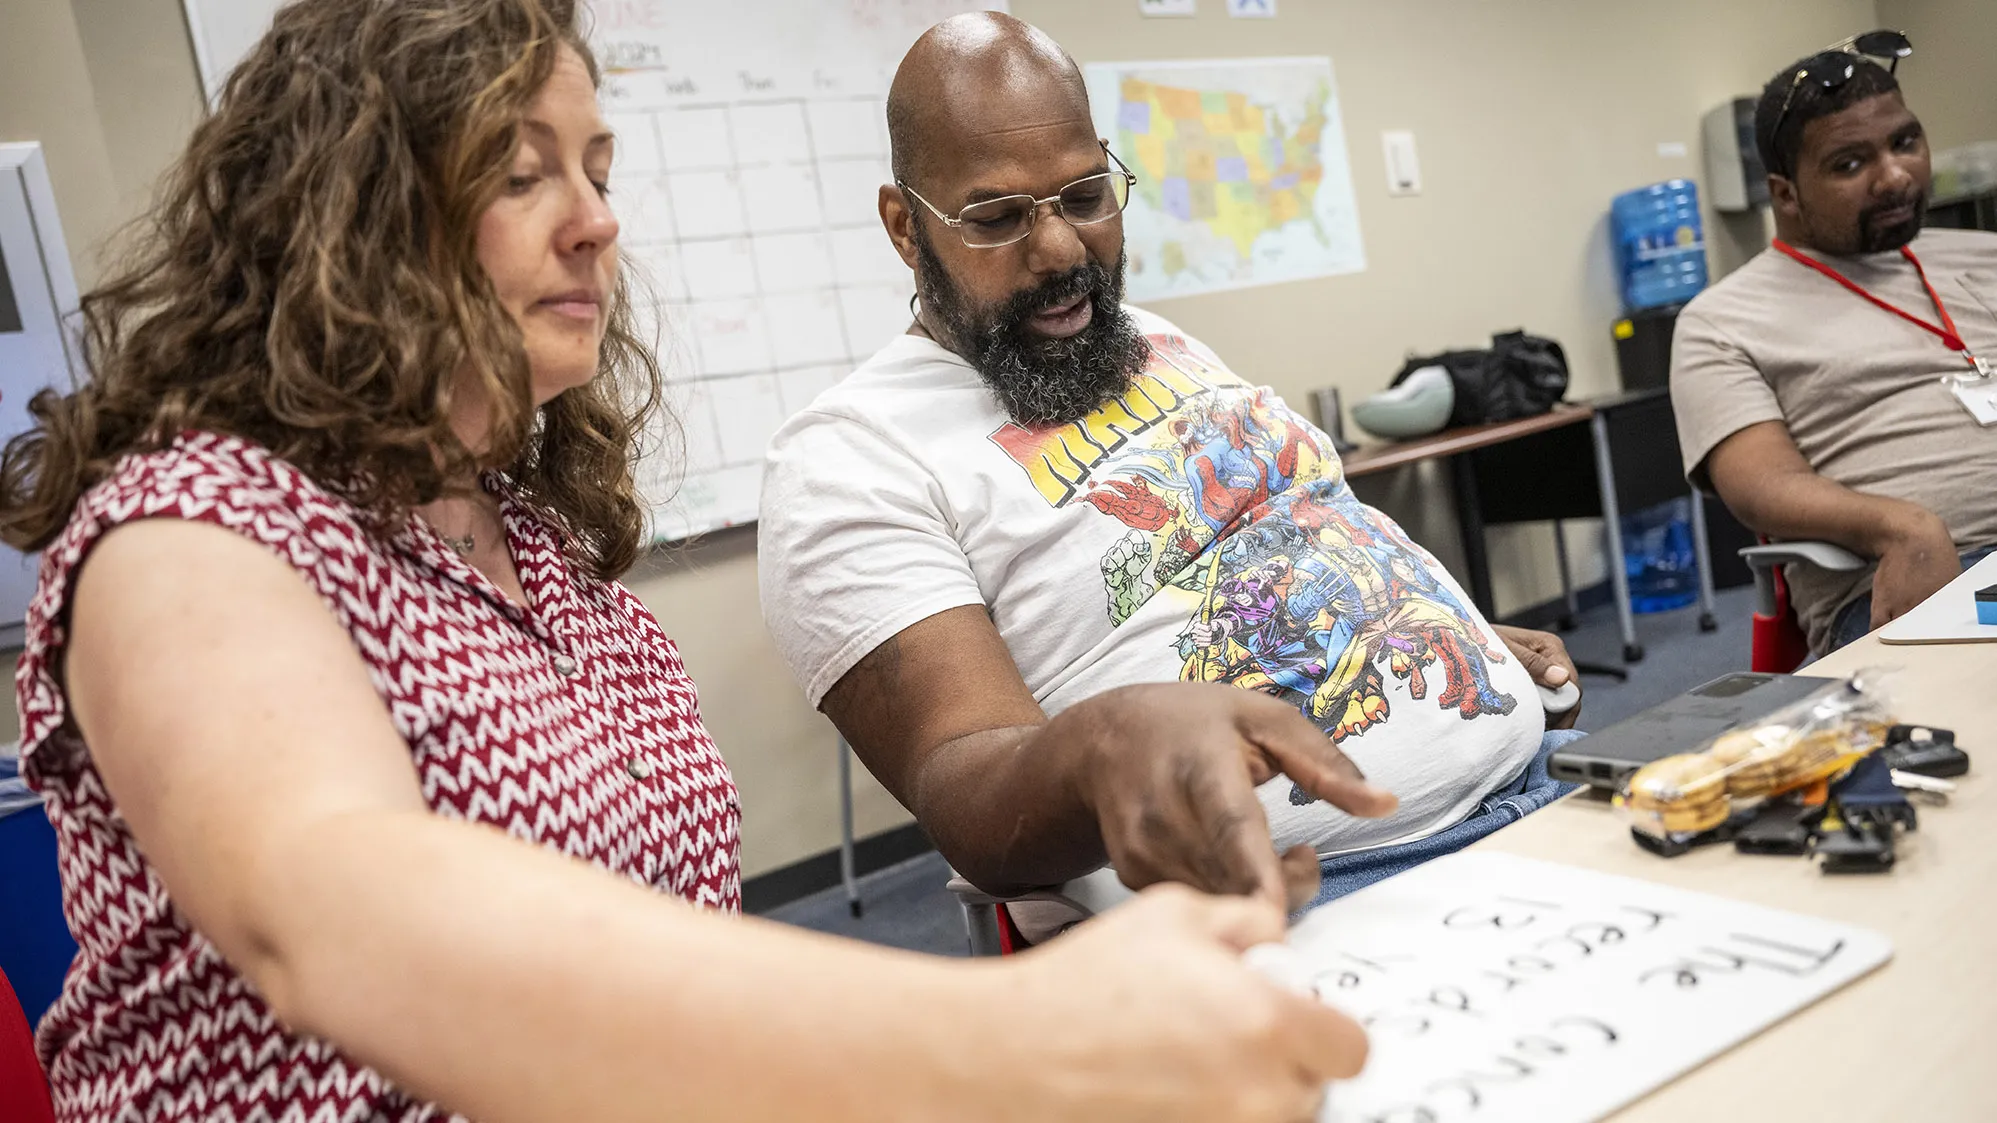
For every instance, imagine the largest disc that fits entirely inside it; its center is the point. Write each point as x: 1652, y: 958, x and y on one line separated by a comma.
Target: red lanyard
x: 1949, y: 336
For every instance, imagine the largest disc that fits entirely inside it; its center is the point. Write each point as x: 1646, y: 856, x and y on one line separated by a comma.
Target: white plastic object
x: 1560, y: 699
x: 1420, y: 405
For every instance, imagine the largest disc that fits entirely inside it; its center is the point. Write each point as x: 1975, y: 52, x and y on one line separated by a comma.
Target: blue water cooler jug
x: 1661, y: 259
x: 1659, y: 558
x: 1660, y: 244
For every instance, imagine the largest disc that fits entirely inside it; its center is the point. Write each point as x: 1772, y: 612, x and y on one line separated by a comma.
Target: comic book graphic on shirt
x: 1291, y: 585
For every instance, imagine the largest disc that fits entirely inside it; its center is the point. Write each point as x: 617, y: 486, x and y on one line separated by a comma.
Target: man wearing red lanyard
x: 1829, y: 389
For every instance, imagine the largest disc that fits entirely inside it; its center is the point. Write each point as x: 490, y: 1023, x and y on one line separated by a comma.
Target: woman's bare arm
x: 259, y: 771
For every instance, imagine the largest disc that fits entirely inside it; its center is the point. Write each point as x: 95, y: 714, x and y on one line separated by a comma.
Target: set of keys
x: 1852, y: 828
x: 1925, y: 752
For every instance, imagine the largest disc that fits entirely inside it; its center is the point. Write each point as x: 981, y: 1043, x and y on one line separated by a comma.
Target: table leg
x: 847, y: 876
x: 1470, y: 523
x: 981, y: 925
x: 1568, y: 598
x: 1612, y: 528
x: 1703, y: 549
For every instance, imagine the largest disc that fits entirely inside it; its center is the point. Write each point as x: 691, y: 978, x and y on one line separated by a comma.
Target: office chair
x: 24, y: 1090
x: 1778, y: 644
x: 993, y: 930
x: 986, y: 922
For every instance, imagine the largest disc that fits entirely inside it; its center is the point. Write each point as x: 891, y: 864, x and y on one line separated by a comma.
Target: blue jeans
x: 1526, y: 793
x: 1854, y: 620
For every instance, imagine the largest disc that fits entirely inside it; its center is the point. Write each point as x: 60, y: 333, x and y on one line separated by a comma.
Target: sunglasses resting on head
x: 1833, y: 66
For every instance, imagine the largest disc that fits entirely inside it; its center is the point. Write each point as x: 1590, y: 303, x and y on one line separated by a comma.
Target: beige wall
x: 148, y: 95
x: 1951, y: 81
x: 108, y: 87
x: 45, y: 95
x: 1529, y: 116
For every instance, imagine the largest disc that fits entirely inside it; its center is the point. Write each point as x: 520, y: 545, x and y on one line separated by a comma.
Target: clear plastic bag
x: 1809, y: 740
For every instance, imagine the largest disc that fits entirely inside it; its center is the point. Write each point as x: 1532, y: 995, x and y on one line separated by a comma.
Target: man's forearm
x: 1763, y: 477
x: 1007, y: 808
x: 939, y: 713
x: 1805, y: 505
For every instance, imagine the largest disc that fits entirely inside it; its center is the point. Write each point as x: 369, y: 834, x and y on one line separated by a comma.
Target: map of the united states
x: 1222, y: 161
x: 1243, y: 177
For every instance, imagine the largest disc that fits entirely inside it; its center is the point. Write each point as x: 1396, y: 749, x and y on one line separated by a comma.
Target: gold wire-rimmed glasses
x: 991, y: 223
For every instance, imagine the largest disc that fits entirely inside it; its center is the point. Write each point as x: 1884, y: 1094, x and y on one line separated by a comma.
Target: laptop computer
x: 1679, y: 725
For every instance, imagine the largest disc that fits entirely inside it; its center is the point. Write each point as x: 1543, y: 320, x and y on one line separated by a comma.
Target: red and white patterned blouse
x: 571, y: 723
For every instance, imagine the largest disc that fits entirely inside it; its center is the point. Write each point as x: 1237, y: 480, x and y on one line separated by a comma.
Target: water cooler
x: 1661, y: 262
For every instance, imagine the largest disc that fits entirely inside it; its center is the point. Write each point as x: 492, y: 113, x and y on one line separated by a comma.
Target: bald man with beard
x: 1077, y: 593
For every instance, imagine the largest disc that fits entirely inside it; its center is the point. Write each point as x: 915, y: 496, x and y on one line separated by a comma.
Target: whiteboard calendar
x: 752, y: 139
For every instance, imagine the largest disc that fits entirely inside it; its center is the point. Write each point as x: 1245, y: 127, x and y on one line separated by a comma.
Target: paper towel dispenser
x: 1734, y: 176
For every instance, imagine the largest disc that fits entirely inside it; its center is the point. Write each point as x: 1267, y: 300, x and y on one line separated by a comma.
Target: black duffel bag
x: 1519, y: 376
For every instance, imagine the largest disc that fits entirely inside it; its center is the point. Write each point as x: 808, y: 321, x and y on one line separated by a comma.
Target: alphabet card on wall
x: 1496, y: 988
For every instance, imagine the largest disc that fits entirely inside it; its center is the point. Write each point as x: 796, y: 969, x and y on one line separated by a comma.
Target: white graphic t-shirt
x: 1193, y: 529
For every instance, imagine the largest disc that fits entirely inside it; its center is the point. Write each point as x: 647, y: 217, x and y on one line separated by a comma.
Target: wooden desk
x: 1368, y: 459
x: 1915, y: 1040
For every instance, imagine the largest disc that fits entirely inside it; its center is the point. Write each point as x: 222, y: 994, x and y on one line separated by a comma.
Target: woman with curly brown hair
x: 374, y: 788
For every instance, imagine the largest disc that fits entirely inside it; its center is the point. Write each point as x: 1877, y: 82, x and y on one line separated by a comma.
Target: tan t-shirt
x: 1858, y: 386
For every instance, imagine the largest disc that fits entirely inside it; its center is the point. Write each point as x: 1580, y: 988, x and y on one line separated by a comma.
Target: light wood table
x: 1917, y: 1039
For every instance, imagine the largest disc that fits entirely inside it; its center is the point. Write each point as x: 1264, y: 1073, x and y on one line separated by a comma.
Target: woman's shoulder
x: 208, y: 464
x: 225, y: 480
x: 209, y: 476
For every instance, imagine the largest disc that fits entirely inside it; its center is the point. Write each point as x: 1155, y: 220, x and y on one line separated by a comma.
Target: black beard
x: 1873, y: 238
x: 1037, y: 380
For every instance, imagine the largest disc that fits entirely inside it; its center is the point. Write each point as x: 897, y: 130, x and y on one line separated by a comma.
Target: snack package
x: 1812, y: 739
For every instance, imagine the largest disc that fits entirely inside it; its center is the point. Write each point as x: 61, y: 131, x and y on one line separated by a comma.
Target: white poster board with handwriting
x: 1506, y: 990
x: 752, y: 139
